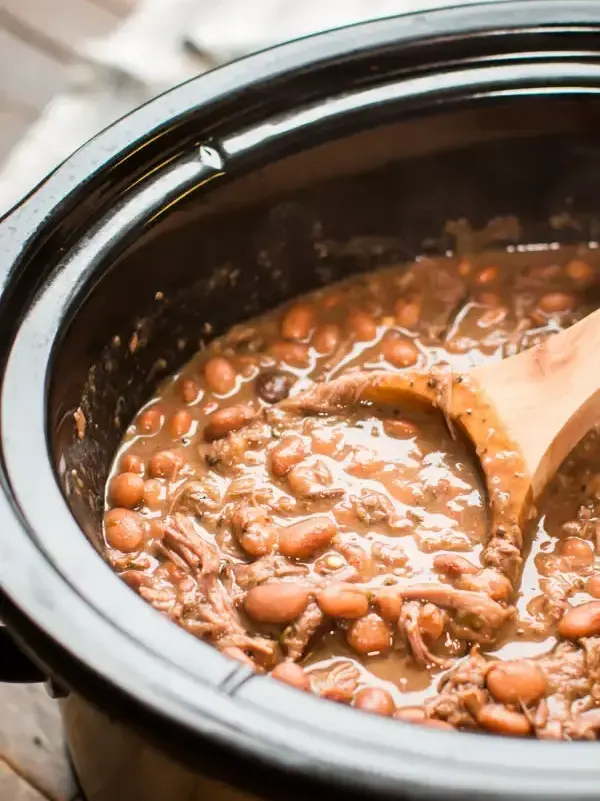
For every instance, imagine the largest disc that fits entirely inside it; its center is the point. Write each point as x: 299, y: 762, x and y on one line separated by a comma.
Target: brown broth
x: 400, y: 489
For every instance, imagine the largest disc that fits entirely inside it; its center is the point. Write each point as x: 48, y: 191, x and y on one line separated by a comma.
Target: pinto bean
x: 253, y: 529
x: 292, y: 674
x: 579, y: 549
x: 580, y: 621
x: 220, y: 375
x: 579, y: 271
x: 150, y: 420
x: 225, y: 421
x: 389, y: 604
x: 338, y: 694
x: 293, y: 353
x: 407, y: 313
x: 343, y: 600
x: 489, y: 581
x: 432, y: 621
x: 556, y: 303
x: 180, y: 423
x: 517, y: 682
x: 464, y: 268
x: 331, y: 298
x: 301, y: 540
x: 298, y: 321
x: 369, y: 635
x: 126, y: 490
x: 593, y: 586
x: 189, y: 391
x: 289, y: 452
x: 500, y: 720
x: 131, y: 463
x: 362, y: 325
x: 416, y: 714
x: 124, y: 530
x: 164, y: 464
x: 326, y: 338
x: 486, y: 276
x: 375, y: 700
x: 399, y: 351
x: 273, y: 386
x: 276, y: 602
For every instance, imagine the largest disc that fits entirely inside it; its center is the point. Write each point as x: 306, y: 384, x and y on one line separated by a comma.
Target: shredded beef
x: 297, y: 636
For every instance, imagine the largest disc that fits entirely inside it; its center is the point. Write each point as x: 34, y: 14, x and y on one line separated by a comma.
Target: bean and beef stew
x: 347, y: 550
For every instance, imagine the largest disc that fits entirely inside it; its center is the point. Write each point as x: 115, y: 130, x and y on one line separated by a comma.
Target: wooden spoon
x: 524, y: 416
x: 548, y: 397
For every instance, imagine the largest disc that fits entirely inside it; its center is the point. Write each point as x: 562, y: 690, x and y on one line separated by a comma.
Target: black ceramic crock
x: 280, y: 172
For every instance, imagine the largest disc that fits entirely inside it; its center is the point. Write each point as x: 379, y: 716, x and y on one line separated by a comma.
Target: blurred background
x: 68, y: 68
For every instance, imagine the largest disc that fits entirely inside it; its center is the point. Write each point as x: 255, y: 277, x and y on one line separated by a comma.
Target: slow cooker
x: 285, y: 170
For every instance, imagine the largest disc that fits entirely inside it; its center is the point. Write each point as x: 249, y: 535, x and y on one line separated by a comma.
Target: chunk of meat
x: 215, y: 618
x: 313, y: 482
x: 557, y: 591
x: 568, y: 670
x: 503, y: 552
x: 297, y: 636
x: 253, y: 529
x: 241, y: 448
x: 163, y: 598
x: 591, y: 646
x: 479, y: 616
x: 200, y: 498
x: 182, y: 534
x: 390, y: 556
x: 357, y: 553
x: 568, y: 710
x: 585, y: 726
x: 408, y: 624
x: 454, y: 566
x: 374, y: 508
x: 268, y: 567
x: 464, y: 575
x: 461, y: 693
x: 338, y: 683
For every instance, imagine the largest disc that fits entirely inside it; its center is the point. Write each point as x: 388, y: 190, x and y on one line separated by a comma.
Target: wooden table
x: 37, y: 44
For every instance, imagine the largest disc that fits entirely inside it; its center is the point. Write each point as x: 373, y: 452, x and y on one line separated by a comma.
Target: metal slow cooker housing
x: 223, y: 197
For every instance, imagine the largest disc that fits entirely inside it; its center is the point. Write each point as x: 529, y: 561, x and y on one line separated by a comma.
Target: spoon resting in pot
x: 524, y: 415
x: 548, y: 397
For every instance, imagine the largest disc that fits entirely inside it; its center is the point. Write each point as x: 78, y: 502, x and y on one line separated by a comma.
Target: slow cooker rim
x: 497, y: 17
x: 545, y: 749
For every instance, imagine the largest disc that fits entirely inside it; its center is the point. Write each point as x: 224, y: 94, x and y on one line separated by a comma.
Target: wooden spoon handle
x: 548, y: 397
